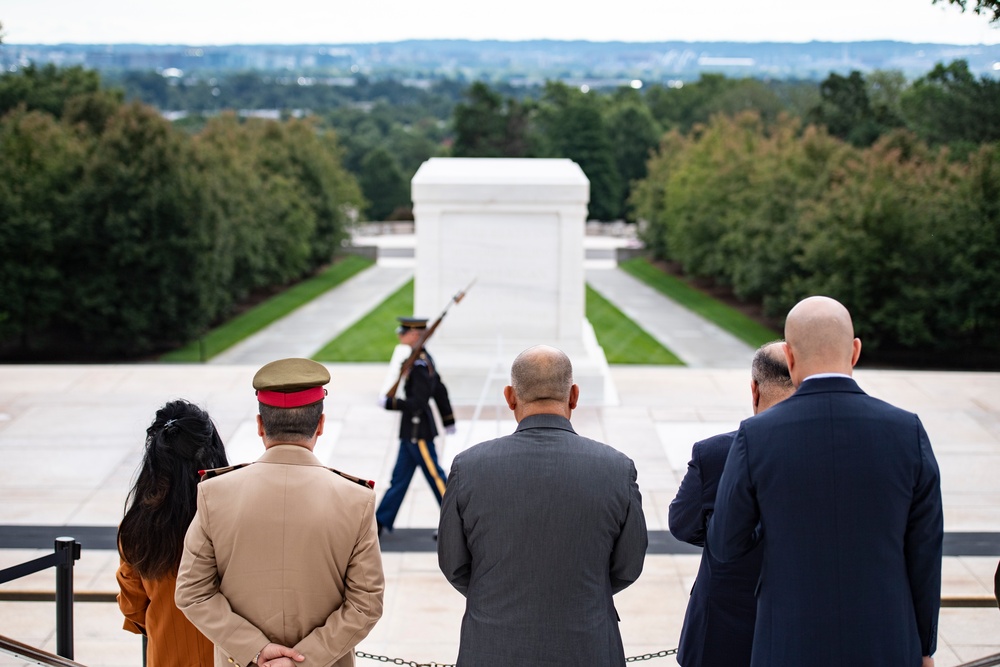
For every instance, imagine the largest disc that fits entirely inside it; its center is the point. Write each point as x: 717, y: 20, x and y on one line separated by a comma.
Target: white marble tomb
x: 514, y: 226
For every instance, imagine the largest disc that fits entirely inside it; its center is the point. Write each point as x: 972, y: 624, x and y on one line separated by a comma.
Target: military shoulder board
x: 357, y: 480
x: 215, y: 472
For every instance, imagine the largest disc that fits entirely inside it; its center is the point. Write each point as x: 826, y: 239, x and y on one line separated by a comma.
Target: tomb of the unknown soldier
x: 514, y: 229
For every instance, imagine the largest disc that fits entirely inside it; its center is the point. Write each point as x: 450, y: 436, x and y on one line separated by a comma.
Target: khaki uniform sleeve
x: 199, y: 597
x: 133, y: 600
x: 363, y: 587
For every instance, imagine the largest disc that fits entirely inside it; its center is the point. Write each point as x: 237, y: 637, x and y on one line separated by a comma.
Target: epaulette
x: 357, y: 480
x: 215, y: 472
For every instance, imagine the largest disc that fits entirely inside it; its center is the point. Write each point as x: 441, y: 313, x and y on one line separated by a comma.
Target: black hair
x: 769, y: 368
x: 292, y: 423
x: 180, y: 442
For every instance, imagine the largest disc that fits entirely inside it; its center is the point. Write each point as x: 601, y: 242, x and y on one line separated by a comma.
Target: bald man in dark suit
x: 847, y: 493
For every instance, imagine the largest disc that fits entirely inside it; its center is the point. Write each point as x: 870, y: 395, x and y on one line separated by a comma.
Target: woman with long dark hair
x: 180, y: 442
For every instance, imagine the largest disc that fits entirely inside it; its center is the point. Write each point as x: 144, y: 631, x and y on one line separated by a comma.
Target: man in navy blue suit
x: 718, y: 625
x: 846, y: 493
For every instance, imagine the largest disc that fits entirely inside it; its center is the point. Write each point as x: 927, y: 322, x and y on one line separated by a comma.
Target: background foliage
x: 897, y: 231
x: 122, y: 235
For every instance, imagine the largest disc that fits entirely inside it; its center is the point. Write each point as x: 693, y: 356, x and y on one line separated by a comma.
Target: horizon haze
x: 213, y: 22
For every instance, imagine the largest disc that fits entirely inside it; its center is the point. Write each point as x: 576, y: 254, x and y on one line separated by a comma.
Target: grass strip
x: 746, y: 329
x: 624, y: 341
x: 226, y: 335
x: 373, y: 337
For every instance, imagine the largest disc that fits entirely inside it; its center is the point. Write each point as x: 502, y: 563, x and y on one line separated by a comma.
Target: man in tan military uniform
x: 282, y: 561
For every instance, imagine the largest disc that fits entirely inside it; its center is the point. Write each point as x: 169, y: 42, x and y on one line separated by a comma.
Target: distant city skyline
x: 213, y: 22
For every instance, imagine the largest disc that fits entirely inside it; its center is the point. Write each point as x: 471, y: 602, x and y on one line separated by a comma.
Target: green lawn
x: 624, y: 341
x: 271, y: 310
x: 733, y: 321
x: 373, y: 337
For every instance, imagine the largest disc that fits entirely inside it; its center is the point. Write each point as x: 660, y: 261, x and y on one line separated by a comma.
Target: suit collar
x: 289, y: 455
x: 545, y: 421
x: 829, y: 383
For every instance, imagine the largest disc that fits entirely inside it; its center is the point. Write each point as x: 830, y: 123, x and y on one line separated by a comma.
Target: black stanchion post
x: 64, y: 595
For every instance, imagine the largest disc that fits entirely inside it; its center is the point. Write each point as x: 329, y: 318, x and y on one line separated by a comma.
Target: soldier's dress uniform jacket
x: 719, y: 622
x: 421, y: 386
x: 847, y: 493
x: 282, y: 550
x: 417, y: 430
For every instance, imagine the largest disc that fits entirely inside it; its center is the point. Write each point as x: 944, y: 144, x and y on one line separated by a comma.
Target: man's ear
x: 510, y: 397
x: 322, y: 423
x: 574, y: 396
x: 755, y: 394
x: 856, y: 353
x: 260, y: 427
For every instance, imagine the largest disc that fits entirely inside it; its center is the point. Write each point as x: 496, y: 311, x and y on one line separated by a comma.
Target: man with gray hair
x: 718, y: 625
x: 539, y: 529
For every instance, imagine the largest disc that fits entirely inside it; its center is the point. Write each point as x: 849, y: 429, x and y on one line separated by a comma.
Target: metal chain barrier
x: 650, y: 656
x: 413, y: 663
x: 400, y: 661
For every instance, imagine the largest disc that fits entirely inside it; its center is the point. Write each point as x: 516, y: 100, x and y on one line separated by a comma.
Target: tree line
x: 121, y: 235
x: 387, y: 128
x: 902, y: 233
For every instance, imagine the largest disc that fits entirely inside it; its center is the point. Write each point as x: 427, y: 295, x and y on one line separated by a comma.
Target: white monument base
x: 477, y: 371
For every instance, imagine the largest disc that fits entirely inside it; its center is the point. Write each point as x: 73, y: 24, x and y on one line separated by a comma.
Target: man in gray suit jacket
x: 539, y: 529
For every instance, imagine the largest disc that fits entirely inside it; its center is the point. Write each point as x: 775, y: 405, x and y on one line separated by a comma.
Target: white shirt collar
x: 827, y: 375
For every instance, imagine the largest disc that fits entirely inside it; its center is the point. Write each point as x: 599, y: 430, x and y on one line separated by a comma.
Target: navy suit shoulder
x: 688, y: 512
x: 721, y: 612
x: 847, y: 490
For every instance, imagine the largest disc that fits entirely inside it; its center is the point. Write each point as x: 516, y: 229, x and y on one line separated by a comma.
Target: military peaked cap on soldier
x: 410, y: 323
x: 291, y: 383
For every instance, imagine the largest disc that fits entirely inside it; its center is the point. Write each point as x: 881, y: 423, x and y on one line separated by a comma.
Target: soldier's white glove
x: 450, y: 430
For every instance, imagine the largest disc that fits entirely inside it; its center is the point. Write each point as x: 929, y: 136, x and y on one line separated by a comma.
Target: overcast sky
x: 207, y: 22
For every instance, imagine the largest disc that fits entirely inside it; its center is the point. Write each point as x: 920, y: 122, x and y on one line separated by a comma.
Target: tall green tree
x: 47, y: 88
x: 332, y: 194
x: 633, y: 134
x: 383, y: 184
x: 847, y: 111
x: 42, y: 163
x: 135, y: 278
x: 950, y: 106
x: 573, y: 126
x: 487, y: 125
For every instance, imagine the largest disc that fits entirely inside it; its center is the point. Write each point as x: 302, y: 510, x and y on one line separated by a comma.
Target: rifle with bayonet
x: 419, y: 347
